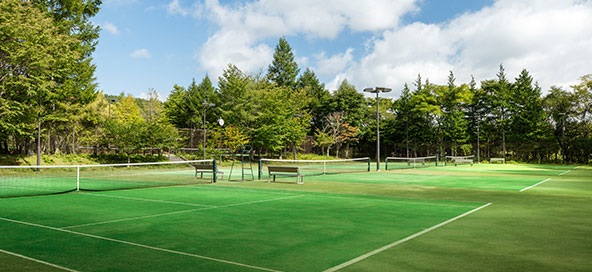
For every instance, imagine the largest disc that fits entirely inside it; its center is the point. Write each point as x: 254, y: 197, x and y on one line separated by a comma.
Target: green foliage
x: 348, y: 100
x: 46, y: 74
x: 45, y: 68
x: 284, y: 69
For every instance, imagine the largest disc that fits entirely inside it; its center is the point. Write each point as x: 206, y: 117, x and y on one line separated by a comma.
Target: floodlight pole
x: 478, y: 143
x: 562, y: 114
x: 205, y: 105
x: 377, y: 90
x: 407, y: 134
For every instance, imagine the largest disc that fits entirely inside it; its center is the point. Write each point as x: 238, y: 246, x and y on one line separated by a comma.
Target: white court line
x: 177, y: 212
x: 133, y: 218
x: 534, y: 185
x: 408, y: 238
x: 139, y: 245
x: 564, y: 172
x: 38, y: 261
x: 150, y: 200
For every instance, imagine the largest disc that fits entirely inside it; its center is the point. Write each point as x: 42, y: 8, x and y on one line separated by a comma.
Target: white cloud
x: 244, y: 28
x: 234, y: 47
x: 334, y: 64
x: 324, y: 19
x: 142, y: 53
x: 549, y: 38
x: 111, y: 28
x: 174, y: 7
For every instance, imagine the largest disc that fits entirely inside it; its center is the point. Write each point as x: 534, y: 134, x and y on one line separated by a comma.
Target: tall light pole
x: 377, y: 90
x: 478, y: 142
x: 407, y: 134
x: 205, y: 106
x: 562, y: 114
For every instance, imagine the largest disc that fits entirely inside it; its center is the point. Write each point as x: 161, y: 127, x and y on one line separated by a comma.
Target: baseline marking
x: 408, y: 238
x: 534, y: 185
x: 38, y: 261
x: 564, y: 172
x: 139, y: 245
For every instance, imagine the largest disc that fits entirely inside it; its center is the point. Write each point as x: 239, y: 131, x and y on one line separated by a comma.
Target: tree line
x: 49, y: 103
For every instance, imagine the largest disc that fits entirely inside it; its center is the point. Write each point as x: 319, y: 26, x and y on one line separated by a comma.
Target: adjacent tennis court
x: 175, y: 222
x: 485, y: 176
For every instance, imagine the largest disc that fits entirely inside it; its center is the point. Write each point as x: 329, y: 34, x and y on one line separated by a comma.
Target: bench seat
x: 206, y: 169
x: 289, y: 171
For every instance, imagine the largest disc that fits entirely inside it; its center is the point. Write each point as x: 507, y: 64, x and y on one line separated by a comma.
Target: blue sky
x: 150, y: 44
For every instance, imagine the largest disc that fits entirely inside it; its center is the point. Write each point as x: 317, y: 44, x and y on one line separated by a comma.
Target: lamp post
x: 205, y: 105
x: 478, y: 142
x: 377, y: 90
x: 111, y: 101
x: 221, y: 123
x: 407, y: 134
x: 562, y: 114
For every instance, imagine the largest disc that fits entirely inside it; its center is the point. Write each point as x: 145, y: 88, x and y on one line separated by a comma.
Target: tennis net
x: 456, y: 160
x: 319, y: 167
x: 43, y: 180
x: 406, y: 163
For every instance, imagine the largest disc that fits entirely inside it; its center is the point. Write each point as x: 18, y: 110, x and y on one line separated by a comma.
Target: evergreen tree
x: 234, y: 102
x: 284, y: 69
x: 319, y: 97
x: 348, y: 100
x: 528, y: 117
x: 174, y: 107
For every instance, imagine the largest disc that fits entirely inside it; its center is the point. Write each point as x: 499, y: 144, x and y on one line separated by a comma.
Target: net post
x: 368, y: 164
x: 259, y: 167
x: 215, y: 171
x: 437, y: 159
x: 386, y: 164
x: 78, y: 178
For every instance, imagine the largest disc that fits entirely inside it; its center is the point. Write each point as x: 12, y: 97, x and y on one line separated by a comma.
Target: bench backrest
x: 464, y: 160
x: 203, y: 166
x: 286, y: 169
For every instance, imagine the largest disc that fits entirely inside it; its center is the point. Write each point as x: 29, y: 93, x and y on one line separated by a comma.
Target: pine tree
x: 284, y: 69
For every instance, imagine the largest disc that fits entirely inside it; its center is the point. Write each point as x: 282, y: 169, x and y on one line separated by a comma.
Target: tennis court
x: 350, y: 221
x: 484, y: 176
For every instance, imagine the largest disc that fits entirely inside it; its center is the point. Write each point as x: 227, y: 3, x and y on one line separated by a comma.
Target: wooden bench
x: 206, y: 169
x: 463, y: 161
x: 289, y: 171
x: 496, y: 160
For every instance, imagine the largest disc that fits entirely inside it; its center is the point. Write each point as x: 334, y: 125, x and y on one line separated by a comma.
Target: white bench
x: 496, y: 160
x: 463, y: 161
x: 289, y: 171
x: 206, y: 169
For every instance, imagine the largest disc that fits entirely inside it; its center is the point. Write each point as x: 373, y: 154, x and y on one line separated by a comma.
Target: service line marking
x: 534, y: 185
x: 179, y: 212
x: 406, y: 239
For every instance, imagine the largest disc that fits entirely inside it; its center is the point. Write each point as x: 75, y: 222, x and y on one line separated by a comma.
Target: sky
x: 154, y: 44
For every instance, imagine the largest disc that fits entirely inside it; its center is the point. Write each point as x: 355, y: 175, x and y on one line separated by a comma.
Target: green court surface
x: 465, y: 218
x: 484, y: 176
